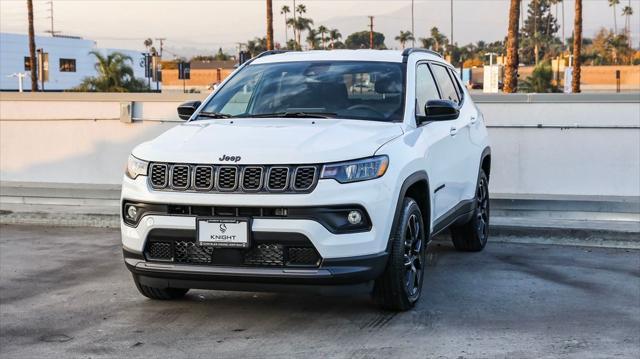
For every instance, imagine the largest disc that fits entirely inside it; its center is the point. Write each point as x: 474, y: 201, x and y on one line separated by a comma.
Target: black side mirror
x: 187, y: 109
x: 439, y: 110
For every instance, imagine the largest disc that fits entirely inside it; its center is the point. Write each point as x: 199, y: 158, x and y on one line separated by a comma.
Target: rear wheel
x: 472, y: 236
x: 399, y: 287
x: 160, y: 293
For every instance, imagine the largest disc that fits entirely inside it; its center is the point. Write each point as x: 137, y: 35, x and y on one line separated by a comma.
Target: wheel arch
x: 417, y: 187
x: 485, y: 161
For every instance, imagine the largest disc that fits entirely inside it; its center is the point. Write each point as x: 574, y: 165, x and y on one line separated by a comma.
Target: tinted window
x: 447, y: 89
x: 345, y: 89
x: 27, y: 63
x: 67, y: 65
x: 425, y: 88
x: 456, y: 82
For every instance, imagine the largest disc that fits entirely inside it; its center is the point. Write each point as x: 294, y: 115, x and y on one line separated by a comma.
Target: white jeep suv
x: 325, y: 170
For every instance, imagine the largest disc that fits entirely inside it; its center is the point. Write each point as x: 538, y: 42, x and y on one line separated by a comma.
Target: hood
x: 269, y: 141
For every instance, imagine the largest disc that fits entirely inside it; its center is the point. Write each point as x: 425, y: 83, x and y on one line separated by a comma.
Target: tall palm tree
x: 322, y: 30
x: 613, y: 3
x: 334, y: 35
x: 300, y: 24
x: 511, y: 70
x: 269, y: 25
x: 32, y: 47
x: 627, y: 12
x: 284, y: 11
x: 404, y: 37
x: 577, y: 47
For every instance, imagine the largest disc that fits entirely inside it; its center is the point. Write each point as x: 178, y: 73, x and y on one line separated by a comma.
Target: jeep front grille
x: 230, y: 178
x: 260, y: 255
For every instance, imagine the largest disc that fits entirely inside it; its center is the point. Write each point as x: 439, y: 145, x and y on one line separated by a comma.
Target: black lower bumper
x: 332, y: 274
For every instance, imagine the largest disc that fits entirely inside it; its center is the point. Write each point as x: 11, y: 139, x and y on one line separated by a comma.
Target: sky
x: 202, y: 26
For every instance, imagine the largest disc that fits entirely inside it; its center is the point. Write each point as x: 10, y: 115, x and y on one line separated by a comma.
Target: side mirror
x: 440, y: 110
x: 187, y: 109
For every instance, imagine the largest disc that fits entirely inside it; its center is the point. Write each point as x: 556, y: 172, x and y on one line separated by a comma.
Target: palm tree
x: 627, y: 12
x: 300, y: 24
x: 511, y: 70
x: 404, y: 37
x: 148, y: 43
x: 322, y: 30
x: 284, y: 11
x: 334, y: 35
x: 312, y: 38
x: 115, y: 74
x: 32, y: 47
x: 613, y: 3
x: 269, y: 25
x: 577, y: 46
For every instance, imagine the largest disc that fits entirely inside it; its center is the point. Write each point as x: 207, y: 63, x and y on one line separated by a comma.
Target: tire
x: 399, y: 287
x: 472, y: 236
x: 160, y: 293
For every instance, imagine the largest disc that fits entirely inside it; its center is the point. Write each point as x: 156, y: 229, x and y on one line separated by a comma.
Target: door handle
x: 473, y: 120
x: 453, y: 131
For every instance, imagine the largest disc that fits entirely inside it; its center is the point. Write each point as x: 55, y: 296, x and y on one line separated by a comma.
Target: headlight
x: 136, y: 167
x: 358, y: 170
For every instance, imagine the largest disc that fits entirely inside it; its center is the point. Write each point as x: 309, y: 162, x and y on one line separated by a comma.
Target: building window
x: 27, y: 63
x: 67, y: 65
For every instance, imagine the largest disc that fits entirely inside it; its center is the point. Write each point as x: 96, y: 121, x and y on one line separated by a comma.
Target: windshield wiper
x: 296, y: 114
x: 213, y: 115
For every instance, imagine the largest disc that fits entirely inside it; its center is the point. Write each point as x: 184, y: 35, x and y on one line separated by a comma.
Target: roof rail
x: 411, y: 50
x: 270, y: 52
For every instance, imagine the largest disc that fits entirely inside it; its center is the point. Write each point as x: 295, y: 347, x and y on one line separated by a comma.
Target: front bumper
x: 344, y: 272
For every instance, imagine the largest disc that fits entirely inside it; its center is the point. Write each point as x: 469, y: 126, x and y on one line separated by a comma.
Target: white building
x: 69, y: 61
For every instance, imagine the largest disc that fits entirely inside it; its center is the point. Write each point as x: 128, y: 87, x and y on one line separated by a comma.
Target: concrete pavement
x: 65, y: 293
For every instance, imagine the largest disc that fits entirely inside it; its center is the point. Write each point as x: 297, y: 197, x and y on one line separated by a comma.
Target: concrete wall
x: 542, y: 144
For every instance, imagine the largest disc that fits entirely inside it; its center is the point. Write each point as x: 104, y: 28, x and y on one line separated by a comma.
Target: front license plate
x: 228, y: 233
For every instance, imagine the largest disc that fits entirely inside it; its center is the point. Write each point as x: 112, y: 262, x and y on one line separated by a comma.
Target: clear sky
x: 201, y: 26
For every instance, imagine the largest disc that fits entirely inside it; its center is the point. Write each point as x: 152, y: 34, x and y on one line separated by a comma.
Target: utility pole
x: 51, y: 31
x: 32, y: 47
x: 161, y: 41
x: 451, y: 45
x: 371, y: 32
x: 413, y: 30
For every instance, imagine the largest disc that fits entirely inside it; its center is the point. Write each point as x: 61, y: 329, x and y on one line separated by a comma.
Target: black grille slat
x: 278, y: 179
x: 265, y: 255
x: 190, y: 252
x: 160, y: 250
x: 159, y: 175
x: 252, y: 178
x: 304, y: 178
x: 203, y: 178
x: 232, y: 178
x: 180, y: 176
x: 227, y: 178
x: 302, y: 256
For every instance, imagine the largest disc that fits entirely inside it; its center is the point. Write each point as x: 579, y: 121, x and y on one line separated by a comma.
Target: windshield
x: 344, y: 89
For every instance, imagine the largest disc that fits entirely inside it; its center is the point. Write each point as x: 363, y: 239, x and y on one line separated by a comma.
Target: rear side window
x: 447, y: 88
x: 426, y: 88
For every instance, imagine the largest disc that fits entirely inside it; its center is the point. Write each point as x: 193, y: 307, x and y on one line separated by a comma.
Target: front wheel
x: 472, y: 236
x: 399, y: 287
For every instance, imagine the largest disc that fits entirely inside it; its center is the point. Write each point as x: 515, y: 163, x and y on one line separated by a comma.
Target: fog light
x: 354, y: 217
x: 132, y: 212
